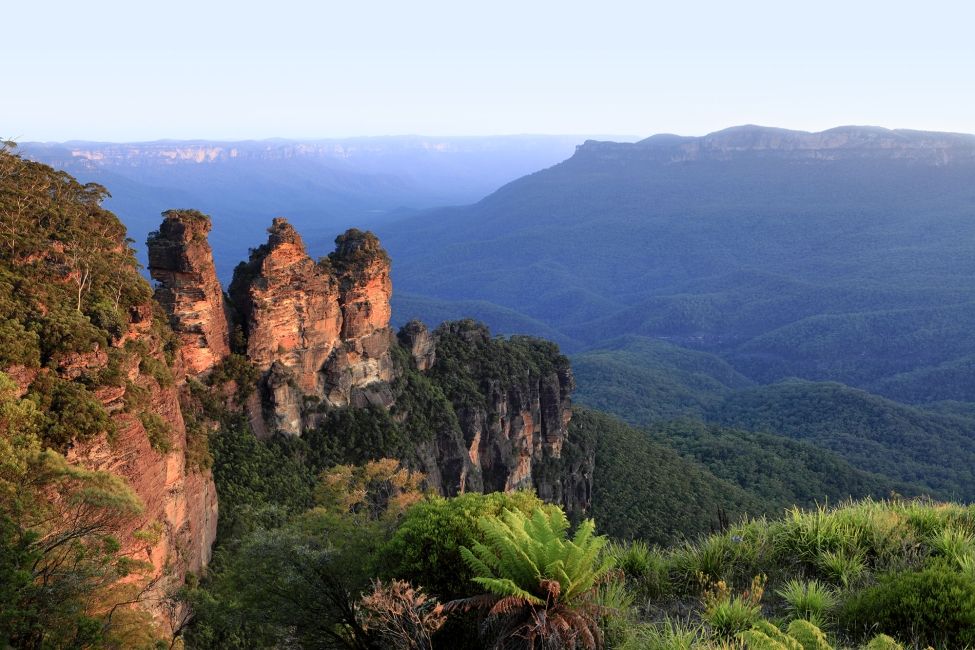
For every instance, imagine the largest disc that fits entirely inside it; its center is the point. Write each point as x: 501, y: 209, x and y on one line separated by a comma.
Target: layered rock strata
x: 181, y: 263
x: 179, y: 522
x: 318, y: 331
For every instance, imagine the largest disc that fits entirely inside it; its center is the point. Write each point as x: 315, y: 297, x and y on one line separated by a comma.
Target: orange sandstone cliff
x: 180, y: 500
x: 181, y: 262
x: 317, y: 330
x: 178, y: 525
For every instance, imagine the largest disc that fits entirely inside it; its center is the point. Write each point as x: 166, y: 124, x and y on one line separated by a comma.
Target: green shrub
x: 63, y: 330
x: 136, y: 397
x: 933, y: 606
x: 800, y: 635
x: 425, y: 549
x: 113, y: 374
x: 809, y: 636
x: 615, y: 612
x: 18, y: 346
x: 198, y: 456
x: 148, y: 364
x: 842, y: 567
x: 158, y: 431
x: 953, y: 543
x: 765, y: 636
x: 811, y: 600
x: 633, y: 558
x: 645, y: 569
x: 731, y: 616
x: 105, y: 316
x: 156, y: 369
x: 71, y: 411
x: 710, y: 557
x: 925, y: 520
x: 883, y: 642
x: 241, y: 371
x: 669, y: 635
x: 805, y: 535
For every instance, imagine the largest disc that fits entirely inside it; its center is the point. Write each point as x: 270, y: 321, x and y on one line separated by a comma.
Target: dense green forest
x: 645, y: 380
x: 852, y: 269
x: 651, y: 383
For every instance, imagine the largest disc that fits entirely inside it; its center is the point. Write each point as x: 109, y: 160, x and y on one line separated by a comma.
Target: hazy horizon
x: 618, y: 137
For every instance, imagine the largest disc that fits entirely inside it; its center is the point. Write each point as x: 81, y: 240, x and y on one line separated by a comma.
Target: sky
x: 215, y: 69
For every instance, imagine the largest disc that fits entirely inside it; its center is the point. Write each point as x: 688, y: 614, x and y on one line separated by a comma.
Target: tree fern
x: 541, y: 583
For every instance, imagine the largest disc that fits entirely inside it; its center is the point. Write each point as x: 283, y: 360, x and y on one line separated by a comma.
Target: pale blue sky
x: 232, y: 70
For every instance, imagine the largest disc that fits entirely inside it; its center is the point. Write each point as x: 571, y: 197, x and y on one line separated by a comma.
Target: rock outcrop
x: 416, y: 337
x: 319, y: 331
x: 480, y: 413
x: 181, y: 262
x: 514, y: 426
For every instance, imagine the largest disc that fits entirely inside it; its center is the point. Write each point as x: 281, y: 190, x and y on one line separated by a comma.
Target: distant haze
x: 321, y: 186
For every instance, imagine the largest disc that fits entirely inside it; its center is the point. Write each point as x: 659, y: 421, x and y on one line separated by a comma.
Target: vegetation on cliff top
x: 70, y: 290
x: 67, y: 275
x: 840, y: 576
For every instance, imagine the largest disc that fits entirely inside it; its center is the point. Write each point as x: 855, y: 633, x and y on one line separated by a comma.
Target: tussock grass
x: 815, y: 562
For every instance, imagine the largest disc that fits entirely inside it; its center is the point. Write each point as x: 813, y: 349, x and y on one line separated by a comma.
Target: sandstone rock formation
x: 517, y: 424
x: 319, y: 331
x: 181, y: 262
x: 419, y: 341
x: 180, y: 501
x: 494, y: 413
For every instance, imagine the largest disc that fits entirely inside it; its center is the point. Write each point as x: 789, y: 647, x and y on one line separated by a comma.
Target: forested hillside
x: 839, y: 256
x: 651, y: 383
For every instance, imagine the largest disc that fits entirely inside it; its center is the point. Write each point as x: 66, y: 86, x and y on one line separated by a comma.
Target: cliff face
x: 512, y: 400
x: 180, y: 501
x: 318, y: 331
x: 83, y: 341
x: 181, y: 262
x: 756, y: 142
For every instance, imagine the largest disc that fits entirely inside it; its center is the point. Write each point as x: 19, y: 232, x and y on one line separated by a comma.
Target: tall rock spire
x: 181, y: 262
x: 319, y: 331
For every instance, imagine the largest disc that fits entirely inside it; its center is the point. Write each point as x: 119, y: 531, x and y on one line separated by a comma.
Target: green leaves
x: 543, y: 586
x: 425, y: 549
x: 522, y: 556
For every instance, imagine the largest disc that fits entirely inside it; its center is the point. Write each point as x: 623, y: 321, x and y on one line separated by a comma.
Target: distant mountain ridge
x: 782, y: 252
x: 360, y: 150
x: 321, y: 185
x: 843, y: 142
